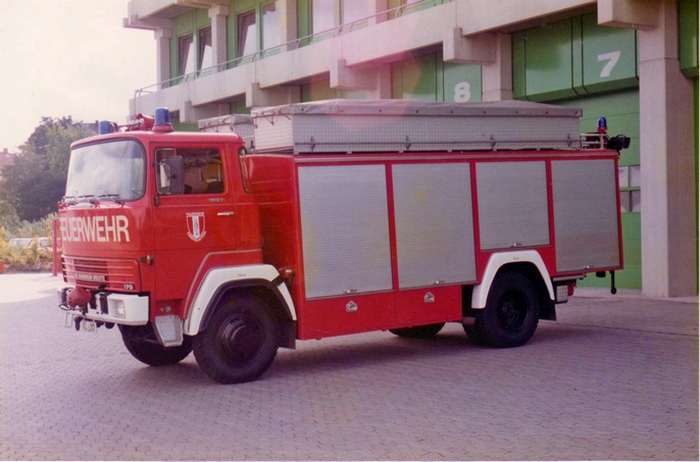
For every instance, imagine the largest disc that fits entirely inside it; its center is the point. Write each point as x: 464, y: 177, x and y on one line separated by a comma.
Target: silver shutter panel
x: 513, y: 208
x: 585, y: 214
x: 345, y: 229
x: 434, y: 224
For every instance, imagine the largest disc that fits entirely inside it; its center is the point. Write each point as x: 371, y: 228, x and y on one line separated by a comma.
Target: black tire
x: 239, y: 343
x: 142, y: 344
x: 429, y: 331
x: 511, y: 314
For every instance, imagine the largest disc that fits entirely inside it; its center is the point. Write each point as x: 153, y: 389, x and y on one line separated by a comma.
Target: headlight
x: 119, y: 309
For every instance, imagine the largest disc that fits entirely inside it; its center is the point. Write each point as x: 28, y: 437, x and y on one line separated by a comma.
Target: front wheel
x: 511, y: 314
x: 141, y: 342
x: 239, y: 343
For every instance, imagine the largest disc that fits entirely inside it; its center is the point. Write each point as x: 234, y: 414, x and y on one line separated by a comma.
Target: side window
x: 202, y: 169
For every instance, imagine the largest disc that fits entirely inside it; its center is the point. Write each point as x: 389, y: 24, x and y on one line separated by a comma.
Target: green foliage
x: 36, y: 181
x: 33, y: 258
x: 29, y: 259
x: 9, y: 220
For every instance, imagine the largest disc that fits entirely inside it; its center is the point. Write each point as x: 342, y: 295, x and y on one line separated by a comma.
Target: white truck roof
x: 338, y: 125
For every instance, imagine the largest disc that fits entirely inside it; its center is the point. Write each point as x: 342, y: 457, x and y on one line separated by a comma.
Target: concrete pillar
x: 497, y: 76
x: 192, y: 114
x: 669, y: 259
x: 273, y: 96
x: 288, y: 10
x: 163, y: 37
x: 492, y: 51
x: 218, y: 15
x: 376, y: 79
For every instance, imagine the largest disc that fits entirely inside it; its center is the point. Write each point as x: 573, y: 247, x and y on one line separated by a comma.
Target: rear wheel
x: 431, y: 330
x: 511, y: 314
x: 141, y: 342
x: 239, y: 343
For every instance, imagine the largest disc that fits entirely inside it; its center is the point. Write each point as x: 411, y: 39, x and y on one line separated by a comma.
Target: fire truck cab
x: 341, y: 217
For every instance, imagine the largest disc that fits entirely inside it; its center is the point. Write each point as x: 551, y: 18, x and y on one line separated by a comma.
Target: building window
x: 186, y: 54
x: 247, y: 32
x: 353, y: 10
x: 322, y: 16
x: 206, y: 52
x: 271, y: 25
x: 629, y: 178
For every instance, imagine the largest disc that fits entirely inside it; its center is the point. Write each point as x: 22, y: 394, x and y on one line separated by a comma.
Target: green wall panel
x: 182, y: 127
x: 428, y: 77
x: 303, y: 18
x: 518, y: 46
x: 461, y: 82
x: 688, y: 36
x: 239, y: 107
x: 415, y: 78
x: 548, y: 62
x: 321, y: 89
x: 572, y: 58
x: 609, y: 56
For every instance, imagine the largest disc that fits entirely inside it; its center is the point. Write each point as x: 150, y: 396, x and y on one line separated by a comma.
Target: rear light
x: 562, y: 293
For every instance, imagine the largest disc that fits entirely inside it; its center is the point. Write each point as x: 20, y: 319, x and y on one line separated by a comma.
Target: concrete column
x: 273, y: 96
x: 497, y: 76
x: 669, y: 259
x: 163, y: 37
x: 380, y: 6
x: 191, y: 115
x: 492, y: 51
x: 218, y: 15
x: 288, y: 11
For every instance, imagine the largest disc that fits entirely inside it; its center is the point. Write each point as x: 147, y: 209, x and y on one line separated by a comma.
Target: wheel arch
x: 262, y: 282
x: 528, y: 263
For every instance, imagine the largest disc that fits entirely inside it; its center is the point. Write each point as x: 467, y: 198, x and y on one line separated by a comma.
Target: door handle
x: 225, y: 214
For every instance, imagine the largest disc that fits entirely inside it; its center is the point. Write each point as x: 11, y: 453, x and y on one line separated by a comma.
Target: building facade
x: 634, y: 62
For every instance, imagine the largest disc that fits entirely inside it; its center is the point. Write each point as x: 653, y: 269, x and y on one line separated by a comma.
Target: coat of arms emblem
x: 195, y: 226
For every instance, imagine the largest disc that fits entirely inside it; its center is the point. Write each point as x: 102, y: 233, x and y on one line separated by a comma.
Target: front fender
x: 218, y: 278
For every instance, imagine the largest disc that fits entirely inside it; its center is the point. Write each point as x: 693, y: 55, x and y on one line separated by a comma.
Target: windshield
x: 107, y: 171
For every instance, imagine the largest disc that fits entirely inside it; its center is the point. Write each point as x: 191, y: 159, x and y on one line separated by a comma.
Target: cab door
x: 191, y: 225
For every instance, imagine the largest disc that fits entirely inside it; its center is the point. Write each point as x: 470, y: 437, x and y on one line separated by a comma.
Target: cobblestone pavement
x: 614, y: 378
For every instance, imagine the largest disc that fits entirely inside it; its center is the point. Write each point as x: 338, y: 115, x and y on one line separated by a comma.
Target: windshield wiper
x: 113, y: 197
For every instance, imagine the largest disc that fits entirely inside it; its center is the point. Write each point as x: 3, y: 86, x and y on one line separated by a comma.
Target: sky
x: 68, y: 58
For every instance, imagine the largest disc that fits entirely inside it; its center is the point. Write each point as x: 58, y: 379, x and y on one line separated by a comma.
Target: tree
x: 8, y: 216
x: 36, y: 181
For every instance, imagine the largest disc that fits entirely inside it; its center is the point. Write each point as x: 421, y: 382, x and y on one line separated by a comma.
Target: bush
x: 28, y: 259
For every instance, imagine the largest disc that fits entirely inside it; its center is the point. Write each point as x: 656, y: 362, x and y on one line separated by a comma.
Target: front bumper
x: 126, y: 309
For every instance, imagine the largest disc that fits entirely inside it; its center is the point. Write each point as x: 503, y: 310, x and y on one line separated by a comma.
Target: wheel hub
x: 240, y: 340
x: 512, y: 311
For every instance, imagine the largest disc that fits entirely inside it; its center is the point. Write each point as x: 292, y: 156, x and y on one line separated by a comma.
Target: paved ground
x: 614, y: 378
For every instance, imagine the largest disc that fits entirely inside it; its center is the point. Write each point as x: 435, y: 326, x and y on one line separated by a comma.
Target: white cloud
x: 68, y: 58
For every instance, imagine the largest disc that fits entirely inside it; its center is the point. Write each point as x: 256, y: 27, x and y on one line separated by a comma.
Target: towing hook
x: 77, y: 320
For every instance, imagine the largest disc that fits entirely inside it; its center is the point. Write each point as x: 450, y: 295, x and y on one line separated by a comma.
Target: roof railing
x: 333, y: 32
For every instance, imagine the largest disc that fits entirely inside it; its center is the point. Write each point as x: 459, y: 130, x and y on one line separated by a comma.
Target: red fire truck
x: 336, y: 217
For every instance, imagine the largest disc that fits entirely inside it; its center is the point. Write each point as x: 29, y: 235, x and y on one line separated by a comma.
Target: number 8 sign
x: 462, y: 92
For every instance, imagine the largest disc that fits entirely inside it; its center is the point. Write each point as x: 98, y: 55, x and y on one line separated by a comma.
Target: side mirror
x: 170, y: 176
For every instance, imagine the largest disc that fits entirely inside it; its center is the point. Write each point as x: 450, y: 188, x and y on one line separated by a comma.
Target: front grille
x: 106, y: 274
